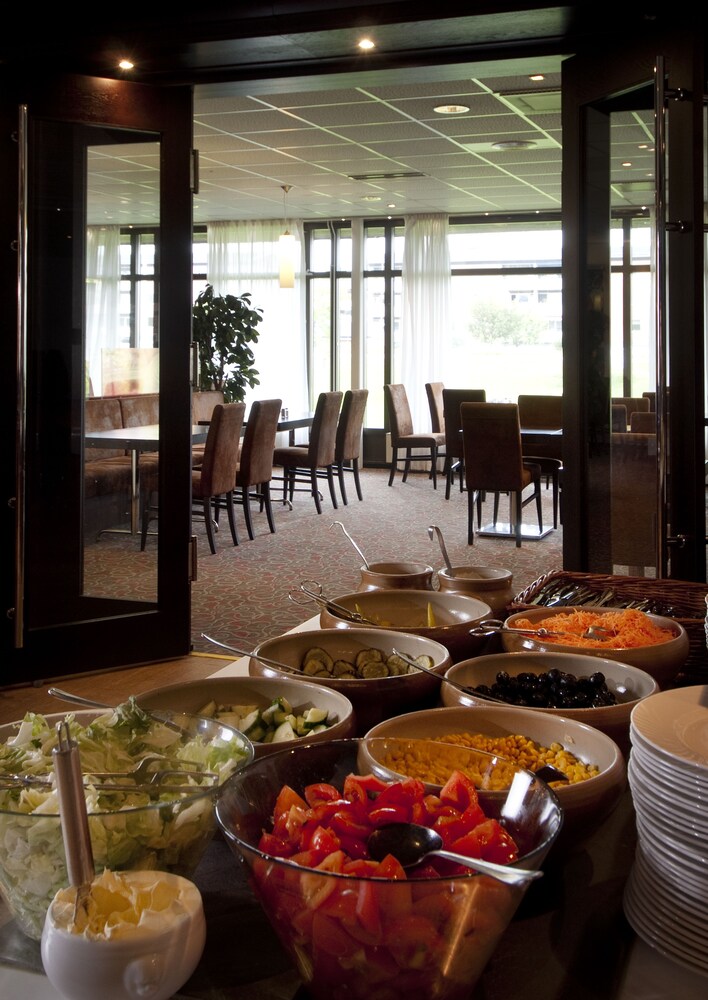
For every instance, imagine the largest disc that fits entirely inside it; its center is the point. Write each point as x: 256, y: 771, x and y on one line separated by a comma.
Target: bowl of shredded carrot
x: 655, y: 644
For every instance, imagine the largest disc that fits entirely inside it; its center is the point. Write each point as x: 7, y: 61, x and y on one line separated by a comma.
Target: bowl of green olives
x: 598, y: 691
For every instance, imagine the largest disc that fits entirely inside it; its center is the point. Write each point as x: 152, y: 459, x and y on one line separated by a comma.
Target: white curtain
x: 426, y: 297
x: 102, y: 299
x: 244, y: 257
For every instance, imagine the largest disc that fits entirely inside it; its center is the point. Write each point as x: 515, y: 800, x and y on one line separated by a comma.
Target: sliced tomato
x: 414, y: 941
x: 459, y: 791
x: 362, y: 787
x: 496, y: 844
x: 367, y: 909
x: 287, y: 797
x: 380, y: 815
x: 329, y: 935
x: 390, y: 867
x: 321, y: 792
x: 324, y: 840
x: 278, y: 847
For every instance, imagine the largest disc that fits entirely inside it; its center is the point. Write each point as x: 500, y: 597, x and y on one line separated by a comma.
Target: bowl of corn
x: 592, y: 762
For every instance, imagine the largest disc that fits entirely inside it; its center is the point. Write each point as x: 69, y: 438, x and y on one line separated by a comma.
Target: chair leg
x: 407, y: 465
x: 555, y: 499
x: 209, y: 522
x: 538, y: 507
x: 266, y: 502
x: 232, y: 515
x: 247, y: 513
x: 315, y: 490
x: 471, y: 497
x: 515, y: 501
x: 434, y: 466
x: 340, y: 476
x: 332, y: 486
x: 394, y: 465
x: 357, y: 482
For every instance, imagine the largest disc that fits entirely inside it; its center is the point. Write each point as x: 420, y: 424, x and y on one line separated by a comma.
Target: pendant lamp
x: 286, y: 248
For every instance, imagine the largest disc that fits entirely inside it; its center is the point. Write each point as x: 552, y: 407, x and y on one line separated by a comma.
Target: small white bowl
x: 192, y: 696
x: 662, y: 660
x: 628, y: 684
x: 152, y: 961
x: 585, y: 804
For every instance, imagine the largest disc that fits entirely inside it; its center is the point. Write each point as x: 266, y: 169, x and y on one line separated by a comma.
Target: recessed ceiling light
x: 514, y: 144
x: 126, y: 64
x: 371, y: 197
x: 627, y: 163
x: 366, y: 44
x: 451, y: 109
x: 537, y: 77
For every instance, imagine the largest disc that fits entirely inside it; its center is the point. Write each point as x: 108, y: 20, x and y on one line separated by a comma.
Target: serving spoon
x: 433, y: 529
x: 363, y: 557
x: 410, y: 843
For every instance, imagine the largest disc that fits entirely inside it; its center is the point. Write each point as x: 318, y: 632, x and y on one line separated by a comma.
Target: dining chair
x: 347, y: 448
x: 619, y: 418
x: 301, y: 462
x: 403, y: 437
x: 633, y: 404
x: 643, y: 422
x: 494, y: 463
x: 540, y: 412
x: 203, y: 403
x: 454, y: 459
x: 215, y: 478
x: 434, y: 392
x: 255, y: 461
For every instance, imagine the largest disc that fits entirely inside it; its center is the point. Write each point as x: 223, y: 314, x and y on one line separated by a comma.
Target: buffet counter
x: 569, y: 939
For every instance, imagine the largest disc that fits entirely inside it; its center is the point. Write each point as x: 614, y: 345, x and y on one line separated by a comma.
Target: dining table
x: 569, y: 940
x: 141, y: 438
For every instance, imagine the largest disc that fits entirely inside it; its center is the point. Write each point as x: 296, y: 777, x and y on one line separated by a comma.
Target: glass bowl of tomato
x: 353, y: 926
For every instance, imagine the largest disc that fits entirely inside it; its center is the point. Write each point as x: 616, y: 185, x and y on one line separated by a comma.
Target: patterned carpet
x: 241, y: 594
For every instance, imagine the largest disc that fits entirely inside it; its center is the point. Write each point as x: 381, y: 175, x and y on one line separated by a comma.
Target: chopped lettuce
x: 134, y: 829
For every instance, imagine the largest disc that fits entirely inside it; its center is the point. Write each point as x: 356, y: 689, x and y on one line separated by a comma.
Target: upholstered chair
x: 347, y: 449
x: 255, y: 463
x: 454, y: 459
x: 301, y: 463
x: 404, y: 439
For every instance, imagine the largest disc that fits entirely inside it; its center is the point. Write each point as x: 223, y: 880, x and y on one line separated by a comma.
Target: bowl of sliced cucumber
x: 272, y: 711
x: 360, y: 663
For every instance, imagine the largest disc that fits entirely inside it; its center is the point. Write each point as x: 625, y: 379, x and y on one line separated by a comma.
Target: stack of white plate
x: 666, y: 897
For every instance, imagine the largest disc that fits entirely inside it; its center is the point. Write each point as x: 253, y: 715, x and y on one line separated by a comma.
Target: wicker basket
x: 685, y: 600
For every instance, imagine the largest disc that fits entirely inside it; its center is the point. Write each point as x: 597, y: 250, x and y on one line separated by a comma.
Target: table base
x: 502, y: 529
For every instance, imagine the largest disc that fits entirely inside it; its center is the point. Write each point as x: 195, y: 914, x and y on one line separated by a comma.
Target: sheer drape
x: 426, y: 296
x: 102, y: 299
x: 243, y: 257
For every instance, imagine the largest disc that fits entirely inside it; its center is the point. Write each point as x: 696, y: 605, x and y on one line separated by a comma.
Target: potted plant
x: 223, y: 327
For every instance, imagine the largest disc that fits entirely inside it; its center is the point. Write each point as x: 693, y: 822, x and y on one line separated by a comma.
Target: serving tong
x: 144, y: 777
x: 311, y: 591
x: 489, y: 626
x: 73, y: 815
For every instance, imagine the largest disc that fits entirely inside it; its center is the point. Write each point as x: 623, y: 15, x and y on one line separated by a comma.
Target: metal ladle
x: 433, y: 529
x: 409, y: 843
x: 363, y: 557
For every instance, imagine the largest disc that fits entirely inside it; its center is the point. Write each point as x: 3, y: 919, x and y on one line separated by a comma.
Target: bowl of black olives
x: 591, y: 689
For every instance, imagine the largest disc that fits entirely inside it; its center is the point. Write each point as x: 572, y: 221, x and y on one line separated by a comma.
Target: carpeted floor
x: 241, y: 594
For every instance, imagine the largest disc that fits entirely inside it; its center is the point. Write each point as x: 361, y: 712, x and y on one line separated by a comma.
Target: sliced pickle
x: 316, y: 668
x: 425, y: 660
x: 396, y: 665
x: 373, y: 668
x: 342, y: 668
x: 367, y: 656
x: 317, y: 653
